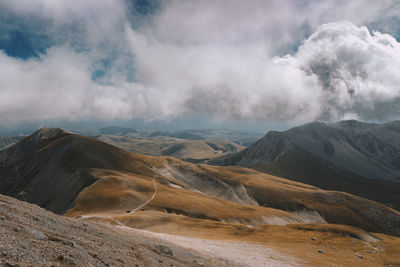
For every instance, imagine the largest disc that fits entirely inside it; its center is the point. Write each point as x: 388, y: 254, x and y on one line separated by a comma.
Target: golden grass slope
x: 121, y: 181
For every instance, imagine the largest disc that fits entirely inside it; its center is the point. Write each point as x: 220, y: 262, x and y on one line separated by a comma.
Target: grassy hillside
x: 86, y: 176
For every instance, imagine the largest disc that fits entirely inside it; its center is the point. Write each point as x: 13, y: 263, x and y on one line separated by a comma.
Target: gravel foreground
x: 230, y: 253
x: 32, y: 236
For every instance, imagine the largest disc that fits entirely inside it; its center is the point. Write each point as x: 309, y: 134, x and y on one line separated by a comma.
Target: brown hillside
x: 53, y: 172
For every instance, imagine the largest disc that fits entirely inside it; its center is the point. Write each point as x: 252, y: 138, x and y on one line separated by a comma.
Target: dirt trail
x: 99, y: 215
x: 148, y: 201
x: 233, y: 254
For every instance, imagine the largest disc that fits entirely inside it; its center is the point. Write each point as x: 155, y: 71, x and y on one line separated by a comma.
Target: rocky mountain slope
x: 31, y: 236
x: 352, y: 156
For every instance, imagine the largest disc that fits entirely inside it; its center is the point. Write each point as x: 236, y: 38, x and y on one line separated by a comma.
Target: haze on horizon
x: 236, y: 63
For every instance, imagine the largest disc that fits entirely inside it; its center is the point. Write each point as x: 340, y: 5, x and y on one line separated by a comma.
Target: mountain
x: 6, y: 141
x: 114, y: 130
x: 351, y: 156
x: 195, y: 206
x: 189, y: 150
x: 181, y: 134
x: 243, y: 138
x: 68, y: 173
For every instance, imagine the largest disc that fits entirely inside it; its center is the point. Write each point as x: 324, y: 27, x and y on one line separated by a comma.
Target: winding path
x: 148, y: 201
x: 136, y: 209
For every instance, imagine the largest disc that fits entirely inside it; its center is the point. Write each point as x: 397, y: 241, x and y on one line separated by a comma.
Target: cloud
x: 58, y: 85
x: 274, y: 23
x: 266, y: 61
x: 340, y: 71
x: 358, y: 71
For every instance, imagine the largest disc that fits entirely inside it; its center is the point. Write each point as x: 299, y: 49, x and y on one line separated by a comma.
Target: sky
x: 252, y: 64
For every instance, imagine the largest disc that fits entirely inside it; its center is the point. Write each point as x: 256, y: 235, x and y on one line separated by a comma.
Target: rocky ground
x: 32, y: 236
x: 230, y: 253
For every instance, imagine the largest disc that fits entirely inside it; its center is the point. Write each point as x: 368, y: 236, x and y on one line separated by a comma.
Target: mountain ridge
x: 81, y: 175
x: 350, y: 156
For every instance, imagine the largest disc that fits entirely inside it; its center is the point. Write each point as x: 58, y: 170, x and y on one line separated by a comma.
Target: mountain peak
x: 47, y: 133
x: 42, y: 135
x: 30, y: 143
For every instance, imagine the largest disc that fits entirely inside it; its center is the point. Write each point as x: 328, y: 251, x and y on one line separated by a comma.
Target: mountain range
x: 88, y: 180
x: 188, y: 150
x: 356, y: 157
